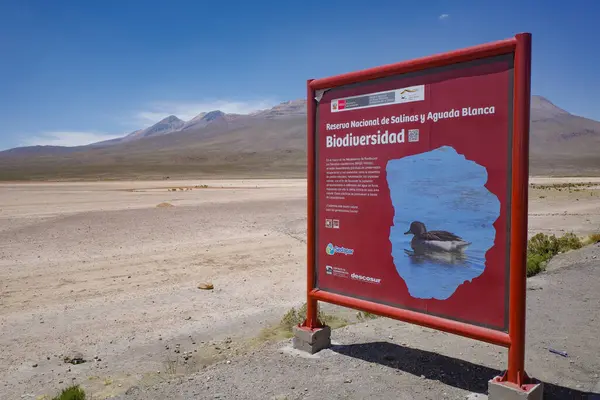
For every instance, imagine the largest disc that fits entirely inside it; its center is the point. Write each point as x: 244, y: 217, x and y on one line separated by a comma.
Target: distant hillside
x: 267, y: 143
x: 36, y: 151
x: 562, y: 143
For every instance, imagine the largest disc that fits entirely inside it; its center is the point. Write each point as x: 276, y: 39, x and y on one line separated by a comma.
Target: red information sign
x: 427, y: 154
x: 418, y: 192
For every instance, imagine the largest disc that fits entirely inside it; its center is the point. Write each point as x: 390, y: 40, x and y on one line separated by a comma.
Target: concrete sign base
x: 312, y: 340
x: 509, y: 391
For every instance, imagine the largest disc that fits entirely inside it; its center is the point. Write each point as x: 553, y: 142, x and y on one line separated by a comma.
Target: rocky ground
x: 384, y: 359
x: 98, y: 271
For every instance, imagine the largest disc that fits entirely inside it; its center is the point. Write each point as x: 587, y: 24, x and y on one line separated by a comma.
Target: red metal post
x: 312, y: 320
x: 520, y: 176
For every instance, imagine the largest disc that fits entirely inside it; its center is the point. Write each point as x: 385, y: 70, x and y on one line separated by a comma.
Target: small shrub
x: 535, y: 264
x: 71, y: 393
x: 543, y: 245
x: 541, y: 248
x: 294, y: 317
x: 569, y: 241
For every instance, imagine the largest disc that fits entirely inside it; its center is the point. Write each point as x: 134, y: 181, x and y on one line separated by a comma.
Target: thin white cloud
x: 444, y: 16
x: 188, y: 110
x: 67, y: 138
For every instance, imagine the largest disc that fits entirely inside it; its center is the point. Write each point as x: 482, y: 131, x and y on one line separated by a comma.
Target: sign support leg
x: 311, y: 336
x: 518, y: 257
x: 312, y: 315
x: 312, y: 320
x: 515, y: 383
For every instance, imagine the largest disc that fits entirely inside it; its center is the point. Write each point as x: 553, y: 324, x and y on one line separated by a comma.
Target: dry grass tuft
x: 363, y: 316
x: 71, y: 393
x: 284, y: 330
x: 593, y: 238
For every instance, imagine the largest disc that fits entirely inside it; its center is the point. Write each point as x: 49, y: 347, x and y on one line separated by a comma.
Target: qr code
x: 413, y: 135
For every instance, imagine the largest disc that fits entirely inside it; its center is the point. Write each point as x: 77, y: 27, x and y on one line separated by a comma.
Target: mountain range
x: 266, y: 143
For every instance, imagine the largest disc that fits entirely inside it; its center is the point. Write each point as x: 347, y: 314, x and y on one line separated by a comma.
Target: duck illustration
x: 438, y: 241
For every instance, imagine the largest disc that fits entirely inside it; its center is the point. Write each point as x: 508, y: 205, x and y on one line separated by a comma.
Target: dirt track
x: 98, y: 268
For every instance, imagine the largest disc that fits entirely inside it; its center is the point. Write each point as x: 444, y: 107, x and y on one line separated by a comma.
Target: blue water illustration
x: 443, y: 222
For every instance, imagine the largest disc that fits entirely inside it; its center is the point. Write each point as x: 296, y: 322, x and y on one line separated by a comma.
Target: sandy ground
x: 99, y: 269
x: 560, y: 209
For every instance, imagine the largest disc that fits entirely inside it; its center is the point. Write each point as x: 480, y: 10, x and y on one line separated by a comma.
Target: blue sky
x: 73, y: 72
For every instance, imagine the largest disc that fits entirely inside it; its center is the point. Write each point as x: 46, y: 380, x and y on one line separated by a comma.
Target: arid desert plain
x: 110, y: 272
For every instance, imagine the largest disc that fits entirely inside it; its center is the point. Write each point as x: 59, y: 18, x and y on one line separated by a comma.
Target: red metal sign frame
x: 514, y: 340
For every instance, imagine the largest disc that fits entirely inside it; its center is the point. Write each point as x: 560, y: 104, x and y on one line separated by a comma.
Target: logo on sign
x: 416, y: 93
x: 367, y: 279
x: 329, y: 269
x: 338, y: 105
x: 406, y: 92
x: 331, y: 250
